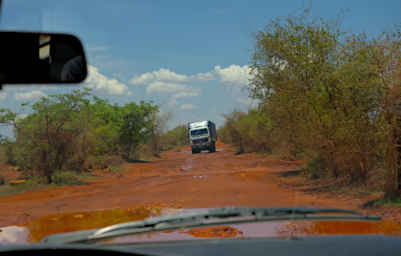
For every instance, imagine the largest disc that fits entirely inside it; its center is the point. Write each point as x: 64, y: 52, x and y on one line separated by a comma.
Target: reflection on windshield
x: 44, y: 47
x: 69, y: 222
x: 306, y: 228
x: 282, y: 229
x: 215, y: 232
x: 199, y: 132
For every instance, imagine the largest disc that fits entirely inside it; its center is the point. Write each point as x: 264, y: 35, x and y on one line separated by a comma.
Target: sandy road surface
x: 178, y: 179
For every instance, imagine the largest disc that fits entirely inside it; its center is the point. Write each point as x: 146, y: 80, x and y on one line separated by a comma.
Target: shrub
x: 315, y: 167
x: 66, y: 178
x: 102, y: 162
x: 143, y: 152
x: 26, y: 186
x: 175, y: 137
x: 248, y: 132
x: 63, y: 131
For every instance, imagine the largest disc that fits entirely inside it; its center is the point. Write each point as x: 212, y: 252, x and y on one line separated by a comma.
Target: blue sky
x: 190, y: 57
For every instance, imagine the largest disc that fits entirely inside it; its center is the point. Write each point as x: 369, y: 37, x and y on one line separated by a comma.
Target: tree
x: 159, y: 122
x: 63, y: 132
x: 323, y: 90
x: 388, y: 65
x: 136, y: 126
x: 47, y: 139
x: 178, y: 136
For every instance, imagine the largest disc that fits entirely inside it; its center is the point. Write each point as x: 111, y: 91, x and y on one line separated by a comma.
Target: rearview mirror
x: 41, y: 58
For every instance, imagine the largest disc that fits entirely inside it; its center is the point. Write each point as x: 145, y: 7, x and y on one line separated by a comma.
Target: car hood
x: 36, y: 229
x: 274, y: 229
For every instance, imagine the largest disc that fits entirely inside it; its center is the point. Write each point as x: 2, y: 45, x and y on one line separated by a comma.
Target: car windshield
x: 300, y: 101
x: 199, y: 131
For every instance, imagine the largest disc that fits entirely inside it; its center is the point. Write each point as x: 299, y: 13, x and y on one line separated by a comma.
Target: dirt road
x: 177, y: 180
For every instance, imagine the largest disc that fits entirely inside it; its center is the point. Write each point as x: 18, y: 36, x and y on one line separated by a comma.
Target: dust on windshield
x: 301, y: 107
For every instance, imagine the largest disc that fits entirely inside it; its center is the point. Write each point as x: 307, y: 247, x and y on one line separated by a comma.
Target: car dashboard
x: 323, y: 245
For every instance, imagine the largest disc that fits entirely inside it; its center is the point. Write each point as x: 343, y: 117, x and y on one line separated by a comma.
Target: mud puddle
x: 188, y: 165
x: 34, y: 231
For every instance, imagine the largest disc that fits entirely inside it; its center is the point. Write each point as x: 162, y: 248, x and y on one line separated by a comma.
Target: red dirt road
x: 178, y: 180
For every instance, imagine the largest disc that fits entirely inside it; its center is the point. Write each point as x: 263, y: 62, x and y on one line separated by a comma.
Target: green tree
x: 136, y: 127
x: 248, y: 132
x: 63, y: 132
x: 47, y: 139
x: 323, y: 91
x: 178, y: 136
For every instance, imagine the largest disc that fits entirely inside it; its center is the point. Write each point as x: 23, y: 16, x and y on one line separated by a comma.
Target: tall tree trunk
x: 392, y: 187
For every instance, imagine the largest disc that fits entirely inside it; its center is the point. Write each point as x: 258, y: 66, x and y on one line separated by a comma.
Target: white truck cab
x: 202, y: 136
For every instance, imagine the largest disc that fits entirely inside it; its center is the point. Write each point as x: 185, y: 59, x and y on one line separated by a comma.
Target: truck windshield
x: 199, y: 131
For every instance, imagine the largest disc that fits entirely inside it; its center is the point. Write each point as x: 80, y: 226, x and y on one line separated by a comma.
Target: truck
x: 202, y: 136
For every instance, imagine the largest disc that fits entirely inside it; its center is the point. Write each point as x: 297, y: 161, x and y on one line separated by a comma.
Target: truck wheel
x: 212, y: 147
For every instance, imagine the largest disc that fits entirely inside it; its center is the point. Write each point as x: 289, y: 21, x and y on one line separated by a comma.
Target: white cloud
x: 98, y: 81
x: 233, y: 74
x: 142, y: 79
x: 193, y: 92
x: 164, y: 87
x: 169, y: 82
x: 162, y: 74
x: 204, y: 76
x: 167, y: 75
x: 29, y: 95
x: 179, y: 90
x: 187, y: 106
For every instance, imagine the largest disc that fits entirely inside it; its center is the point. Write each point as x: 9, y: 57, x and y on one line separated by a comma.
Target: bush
x: 143, y: 152
x: 63, y: 131
x: 113, y: 160
x: 10, y: 154
x: 66, y: 178
x: 175, y: 137
x: 3, y: 156
x: 316, y: 167
x: 248, y: 132
x: 102, y: 162
x: 7, y: 153
x: 27, y: 186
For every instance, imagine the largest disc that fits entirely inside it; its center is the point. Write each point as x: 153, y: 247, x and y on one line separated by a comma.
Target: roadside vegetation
x: 176, y: 137
x: 66, y: 137
x: 329, y: 97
